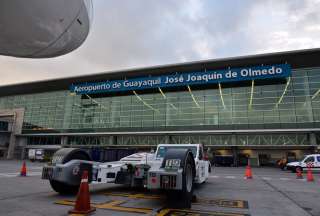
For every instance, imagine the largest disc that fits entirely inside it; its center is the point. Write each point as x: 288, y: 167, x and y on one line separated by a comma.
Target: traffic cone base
x: 23, y: 171
x: 92, y: 209
x: 82, y: 205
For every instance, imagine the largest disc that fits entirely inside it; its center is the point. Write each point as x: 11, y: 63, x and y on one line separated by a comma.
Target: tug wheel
x: 63, y: 156
x: 182, y: 198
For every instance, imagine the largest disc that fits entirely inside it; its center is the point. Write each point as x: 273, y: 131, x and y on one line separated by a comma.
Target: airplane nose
x: 43, y: 29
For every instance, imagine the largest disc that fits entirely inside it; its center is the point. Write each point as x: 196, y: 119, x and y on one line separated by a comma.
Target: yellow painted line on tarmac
x: 65, y: 202
x: 223, y: 203
x: 187, y: 212
x: 200, y: 201
x: 115, y: 205
x: 135, y: 195
x: 111, y: 205
x: 164, y: 212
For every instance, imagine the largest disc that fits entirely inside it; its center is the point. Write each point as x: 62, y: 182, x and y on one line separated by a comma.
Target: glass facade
x: 4, y: 126
x: 295, y: 103
x: 153, y: 140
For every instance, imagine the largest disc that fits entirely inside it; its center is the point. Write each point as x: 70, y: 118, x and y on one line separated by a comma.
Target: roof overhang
x: 297, y: 59
x: 175, y: 132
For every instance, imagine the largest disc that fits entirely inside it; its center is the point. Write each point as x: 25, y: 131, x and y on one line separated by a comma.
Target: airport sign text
x: 184, y: 79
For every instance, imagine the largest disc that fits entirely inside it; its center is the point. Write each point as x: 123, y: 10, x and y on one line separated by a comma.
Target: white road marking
x: 266, y: 178
x: 7, y: 175
x: 275, y: 178
x: 36, y: 167
x: 230, y: 177
x: 34, y: 173
x: 285, y: 179
x: 214, y: 176
x: 17, y: 174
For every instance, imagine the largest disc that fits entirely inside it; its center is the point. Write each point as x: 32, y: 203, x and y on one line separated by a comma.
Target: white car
x: 173, y: 168
x: 312, y: 160
x: 36, y: 154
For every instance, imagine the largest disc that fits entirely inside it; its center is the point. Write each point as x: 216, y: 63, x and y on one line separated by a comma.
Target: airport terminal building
x: 262, y: 107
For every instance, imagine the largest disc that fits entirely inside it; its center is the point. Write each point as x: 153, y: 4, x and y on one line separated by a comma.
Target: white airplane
x: 43, y: 28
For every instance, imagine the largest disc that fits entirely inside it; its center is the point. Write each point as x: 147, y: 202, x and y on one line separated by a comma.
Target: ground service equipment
x: 312, y: 161
x: 173, y: 168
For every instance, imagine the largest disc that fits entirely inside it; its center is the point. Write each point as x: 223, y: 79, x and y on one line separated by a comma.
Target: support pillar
x: 112, y: 140
x: 167, y: 139
x: 12, y: 146
x: 16, y: 127
x: 313, y: 141
x: 234, y: 150
x: 22, y: 143
x: 64, y: 141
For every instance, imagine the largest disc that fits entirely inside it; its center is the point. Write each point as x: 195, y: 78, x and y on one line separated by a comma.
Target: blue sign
x: 184, y: 79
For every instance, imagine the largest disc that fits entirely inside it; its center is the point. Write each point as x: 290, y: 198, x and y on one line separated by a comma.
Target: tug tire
x: 66, y: 155
x: 182, y: 198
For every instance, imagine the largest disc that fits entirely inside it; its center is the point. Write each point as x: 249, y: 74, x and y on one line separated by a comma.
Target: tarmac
x: 271, y: 192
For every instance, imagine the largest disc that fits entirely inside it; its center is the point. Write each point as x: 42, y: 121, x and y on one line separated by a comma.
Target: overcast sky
x: 129, y: 34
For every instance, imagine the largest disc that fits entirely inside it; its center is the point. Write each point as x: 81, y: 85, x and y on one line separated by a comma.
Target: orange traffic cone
x: 248, y: 173
x: 82, y: 205
x: 299, y: 173
x: 23, y: 171
x: 309, y: 175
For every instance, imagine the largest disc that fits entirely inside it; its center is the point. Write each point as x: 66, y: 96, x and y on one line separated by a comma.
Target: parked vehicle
x: 313, y: 161
x: 36, y: 155
x: 173, y: 168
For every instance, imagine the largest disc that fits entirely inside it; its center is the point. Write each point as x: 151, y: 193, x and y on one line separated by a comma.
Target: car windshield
x: 304, y: 158
x: 308, y: 159
x: 163, y: 149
